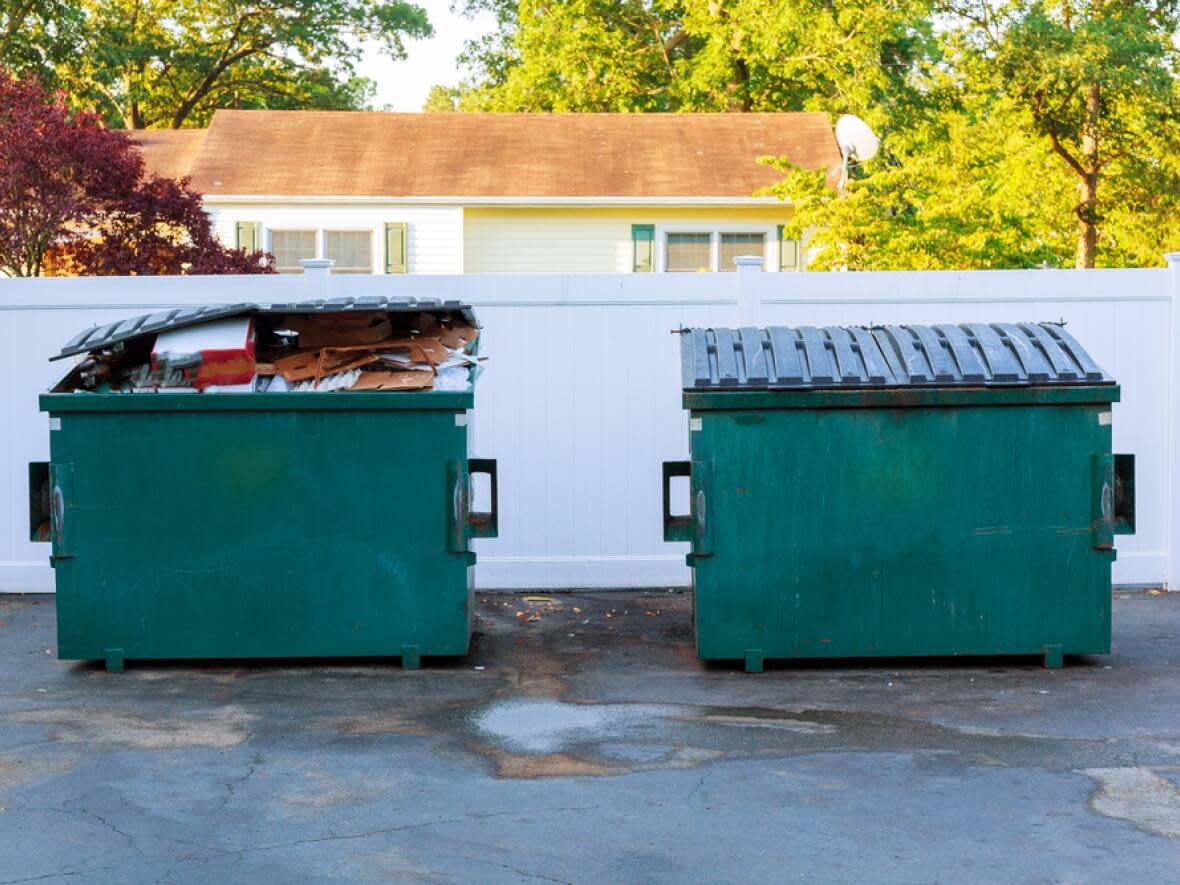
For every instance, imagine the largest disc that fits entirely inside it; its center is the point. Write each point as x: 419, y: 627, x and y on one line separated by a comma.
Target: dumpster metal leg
x: 1053, y: 657
x: 753, y: 660
x: 114, y: 659
x: 410, y: 658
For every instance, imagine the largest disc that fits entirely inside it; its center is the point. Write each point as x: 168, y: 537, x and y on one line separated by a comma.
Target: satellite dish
x: 857, y: 142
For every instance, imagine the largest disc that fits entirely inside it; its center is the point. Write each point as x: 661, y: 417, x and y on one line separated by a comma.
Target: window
x: 643, y: 248
x: 289, y: 246
x: 352, y: 250
x: 733, y: 245
x: 689, y: 253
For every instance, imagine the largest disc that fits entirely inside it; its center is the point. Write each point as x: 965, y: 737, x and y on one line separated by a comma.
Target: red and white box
x: 223, y: 351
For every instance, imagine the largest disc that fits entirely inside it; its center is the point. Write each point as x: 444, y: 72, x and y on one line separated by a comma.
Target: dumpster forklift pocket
x: 40, y: 501
x: 1124, y: 494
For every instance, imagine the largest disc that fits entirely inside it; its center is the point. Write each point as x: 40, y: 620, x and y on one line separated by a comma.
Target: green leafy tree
x: 441, y: 99
x: 1046, y: 135
x: 1096, y: 76
x: 171, y: 63
x: 705, y: 55
x: 36, y: 35
x: 967, y: 185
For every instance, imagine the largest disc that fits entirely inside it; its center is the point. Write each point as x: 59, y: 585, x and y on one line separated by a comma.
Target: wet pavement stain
x: 1137, y: 795
x: 221, y: 728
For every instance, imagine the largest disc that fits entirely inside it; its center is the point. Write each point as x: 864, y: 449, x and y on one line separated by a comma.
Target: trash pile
x: 277, y: 349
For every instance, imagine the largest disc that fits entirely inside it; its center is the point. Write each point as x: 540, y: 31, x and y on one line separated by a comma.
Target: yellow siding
x: 580, y: 240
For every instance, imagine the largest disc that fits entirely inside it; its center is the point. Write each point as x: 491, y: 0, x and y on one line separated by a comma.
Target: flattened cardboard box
x: 412, y: 380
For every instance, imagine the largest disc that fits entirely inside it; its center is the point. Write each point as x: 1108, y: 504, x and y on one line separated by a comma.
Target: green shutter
x: 790, y: 256
x: 246, y: 236
x: 395, y: 247
x: 643, y: 248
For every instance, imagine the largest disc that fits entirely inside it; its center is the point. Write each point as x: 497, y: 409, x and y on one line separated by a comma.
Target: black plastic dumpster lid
x: 807, y: 357
x: 100, y: 337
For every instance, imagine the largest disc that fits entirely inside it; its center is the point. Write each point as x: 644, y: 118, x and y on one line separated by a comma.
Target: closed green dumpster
x: 263, y: 525
x: 899, y: 491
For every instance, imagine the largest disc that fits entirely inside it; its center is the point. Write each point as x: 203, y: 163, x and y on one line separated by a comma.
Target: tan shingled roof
x: 339, y: 153
x: 169, y: 152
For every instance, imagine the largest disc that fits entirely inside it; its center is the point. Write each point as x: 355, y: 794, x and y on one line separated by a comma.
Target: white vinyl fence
x: 580, y: 401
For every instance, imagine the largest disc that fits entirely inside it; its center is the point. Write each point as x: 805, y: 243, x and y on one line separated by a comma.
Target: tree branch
x: 1062, y: 152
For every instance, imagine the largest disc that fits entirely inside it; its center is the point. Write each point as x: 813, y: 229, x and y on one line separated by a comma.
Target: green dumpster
x: 899, y: 491
x: 263, y: 525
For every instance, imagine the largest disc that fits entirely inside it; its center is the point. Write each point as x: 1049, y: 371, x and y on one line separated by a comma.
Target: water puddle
x: 541, y: 726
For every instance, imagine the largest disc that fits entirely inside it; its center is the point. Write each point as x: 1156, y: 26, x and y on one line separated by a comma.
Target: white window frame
x: 715, y: 230
x: 269, y: 231
x: 376, y: 245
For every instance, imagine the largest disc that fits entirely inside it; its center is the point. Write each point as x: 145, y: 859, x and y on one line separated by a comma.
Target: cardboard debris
x: 334, y: 329
x: 414, y: 380
x: 290, y: 352
x: 299, y: 366
x: 458, y: 336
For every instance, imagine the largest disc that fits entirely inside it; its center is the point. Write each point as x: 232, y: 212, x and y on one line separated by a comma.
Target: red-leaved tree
x: 75, y: 198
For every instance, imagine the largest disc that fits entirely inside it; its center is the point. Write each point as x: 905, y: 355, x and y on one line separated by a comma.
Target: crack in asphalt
x: 218, y: 853
x: 232, y: 785
x: 69, y: 868
x: 517, y: 870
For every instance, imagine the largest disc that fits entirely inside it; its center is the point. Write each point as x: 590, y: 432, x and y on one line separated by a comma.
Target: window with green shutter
x: 790, y: 254
x: 643, y: 248
x: 396, y: 254
x: 246, y: 236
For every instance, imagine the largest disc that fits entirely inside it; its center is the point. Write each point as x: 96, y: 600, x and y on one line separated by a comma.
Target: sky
x: 403, y: 85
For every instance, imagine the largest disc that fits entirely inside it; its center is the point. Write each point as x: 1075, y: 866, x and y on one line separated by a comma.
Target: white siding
x: 435, y: 232
x: 588, y: 240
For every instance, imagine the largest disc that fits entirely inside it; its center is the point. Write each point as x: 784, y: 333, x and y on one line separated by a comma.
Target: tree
x: 965, y: 186
x: 441, y: 100
x: 704, y: 55
x: 171, y: 63
x: 35, y: 35
x: 1043, y: 137
x: 1097, y: 78
x: 74, y: 193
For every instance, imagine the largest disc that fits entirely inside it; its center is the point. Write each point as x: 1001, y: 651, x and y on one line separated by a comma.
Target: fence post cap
x: 748, y: 262
x: 316, y: 263
x: 1173, y: 259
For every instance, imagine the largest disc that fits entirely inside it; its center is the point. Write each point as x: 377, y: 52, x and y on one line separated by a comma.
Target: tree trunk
x: 1087, y: 208
x: 1087, y: 211
x: 738, y: 88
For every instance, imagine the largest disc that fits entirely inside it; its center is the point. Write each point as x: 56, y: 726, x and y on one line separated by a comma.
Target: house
x: 486, y: 193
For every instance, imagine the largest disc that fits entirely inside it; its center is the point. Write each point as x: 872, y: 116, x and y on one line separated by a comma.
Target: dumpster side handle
x: 61, y: 503
x: 676, y: 528
x: 1112, y: 498
x: 485, y: 524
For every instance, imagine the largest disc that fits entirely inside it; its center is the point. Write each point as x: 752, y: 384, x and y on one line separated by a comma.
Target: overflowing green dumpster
x: 307, y: 523
x: 899, y: 491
